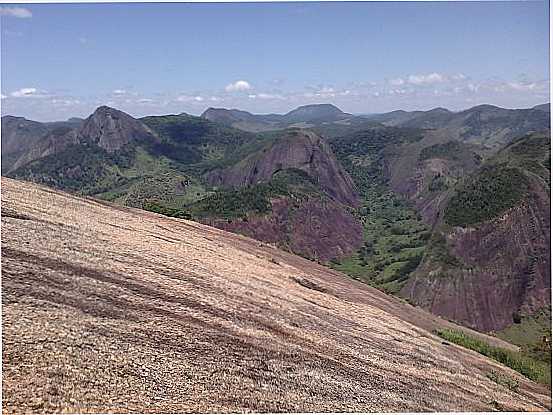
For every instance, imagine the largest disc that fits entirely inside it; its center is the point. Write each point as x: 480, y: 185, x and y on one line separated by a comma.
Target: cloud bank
x: 409, y: 92
x: 18, y: 12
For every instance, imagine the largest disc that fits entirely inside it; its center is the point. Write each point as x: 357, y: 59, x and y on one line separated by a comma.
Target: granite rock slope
x: 113, y: 309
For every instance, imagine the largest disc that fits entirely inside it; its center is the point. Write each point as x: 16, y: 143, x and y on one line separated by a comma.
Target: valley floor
x: 112, y: 309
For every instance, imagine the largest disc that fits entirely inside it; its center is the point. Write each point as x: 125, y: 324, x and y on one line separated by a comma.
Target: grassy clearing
x: 530, y: 331
x: 534, y: 369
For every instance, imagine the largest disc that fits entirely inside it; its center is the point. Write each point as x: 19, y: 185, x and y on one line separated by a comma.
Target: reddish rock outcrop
x: 506, y: 269
x: 321, y: 230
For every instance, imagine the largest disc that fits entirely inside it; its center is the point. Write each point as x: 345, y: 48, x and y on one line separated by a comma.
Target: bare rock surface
x: 311, y: 228
x: 112, y: 129
x: 508, y: 268
x: 110, y: 309
x: 303, y: 150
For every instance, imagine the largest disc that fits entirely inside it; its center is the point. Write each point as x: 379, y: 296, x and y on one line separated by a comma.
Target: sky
x: 64, y: 60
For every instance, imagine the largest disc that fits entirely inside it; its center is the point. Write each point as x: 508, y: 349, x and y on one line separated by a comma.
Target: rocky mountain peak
x: 295, y: 149
x: 111, y: 129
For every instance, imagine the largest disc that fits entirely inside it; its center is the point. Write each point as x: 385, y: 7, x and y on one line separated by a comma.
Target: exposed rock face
x: 112, y: 129
x: 298, y: 149
x: 108, y: 128
x: 19, y: 133
x: 18, y: 136
x: 315, y: 229
x: 131, y: 299
x: 426, y: 181
x: 506, y: 269
x: 52, y: 143
x: 489, y: 257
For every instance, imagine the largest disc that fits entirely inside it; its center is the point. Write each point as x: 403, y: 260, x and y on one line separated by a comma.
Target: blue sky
x: 63, y: 60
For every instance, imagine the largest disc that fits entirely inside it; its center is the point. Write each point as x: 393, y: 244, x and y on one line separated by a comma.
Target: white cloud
x: 398, y: 91
x: 321, y: 92
x: 19, y: 12
x: 3, y: 96
x: 522, y: 86
x: 397, y: 82
x: 526, y: 87
x: 263, y: 95
x: 145, y: 100
x: 431, y: 78
x: 119, y: 92
x: 27, y: 93
x: 238, y: 86
x: 188, y: 98
x: 65, y: 102
x: 459, y: 77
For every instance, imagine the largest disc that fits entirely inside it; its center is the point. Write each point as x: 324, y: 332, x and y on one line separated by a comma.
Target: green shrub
x: 439, y: 251
x: 237, y: 203
x: 503, y: 380
x: 167, y: 211
x: 438, y: 184
x: 531, y: 368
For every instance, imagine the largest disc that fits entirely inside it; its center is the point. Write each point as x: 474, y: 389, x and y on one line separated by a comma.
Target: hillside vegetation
x: 501, y: 183
x: 394, y: 234
x: 486, y: 195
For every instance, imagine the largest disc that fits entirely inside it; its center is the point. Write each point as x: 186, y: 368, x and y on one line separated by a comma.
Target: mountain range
x: 448, y: 210
x: 304, y: 116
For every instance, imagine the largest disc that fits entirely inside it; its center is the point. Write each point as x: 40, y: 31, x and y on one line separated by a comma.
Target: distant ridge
x: 543, y: 107
x: 307, y: 115
x: 485, y: 122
